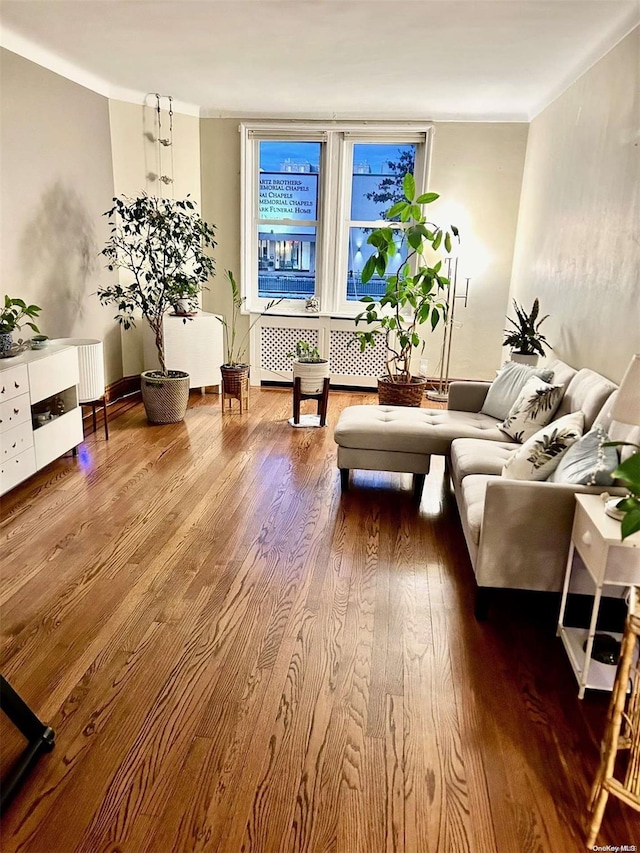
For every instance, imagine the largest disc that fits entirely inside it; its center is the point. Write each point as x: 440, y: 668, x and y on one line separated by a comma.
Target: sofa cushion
x: 587, y: 462
x: 587, y: 392
x: 506, y: 387
x: 407, y: 429
x: 617, y: 431
x: 475, y: 456
x: 563, y: 373
x: 472, y: 494
x: 534, y: 408
x: 541, y: 453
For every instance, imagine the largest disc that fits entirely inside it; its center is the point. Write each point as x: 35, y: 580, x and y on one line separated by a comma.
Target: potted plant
x: 15, y: 314
x: 162, y: 245
x: 310, y: 367
x: 235, y: 370
x: 415, y: 294
x: 525, y: 339
x: 185, y: 296
x: 628, y: 507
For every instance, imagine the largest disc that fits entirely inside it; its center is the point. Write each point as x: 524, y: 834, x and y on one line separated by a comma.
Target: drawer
x: 58, y: 436
x: 16, y: 440
x: 14, y: 412
x: 49, y: 376
x: 17, y: 469
x: 589, y: 543
x: 13, y: 382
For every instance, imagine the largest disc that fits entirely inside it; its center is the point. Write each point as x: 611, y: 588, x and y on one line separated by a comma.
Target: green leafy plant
x: 525, y: 338
x: 629, y: 472
x: 15, y: 314
x: 234, y: 343
x: 307, y: 354
x: 415, y: 295
x: 163, y: 244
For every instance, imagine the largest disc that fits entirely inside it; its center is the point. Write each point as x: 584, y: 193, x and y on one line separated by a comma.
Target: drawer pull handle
x: 14, y: 444
x: 586, y: 537
x: 3, y: 390
x: 17, y: 384
x: 16, y: 411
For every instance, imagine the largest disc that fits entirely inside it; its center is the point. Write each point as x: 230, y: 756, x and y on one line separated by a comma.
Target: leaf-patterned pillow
x: 534, y: 408
x: 540, y: 455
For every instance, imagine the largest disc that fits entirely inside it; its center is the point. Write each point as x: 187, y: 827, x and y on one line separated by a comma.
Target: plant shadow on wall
x: 58, y: 257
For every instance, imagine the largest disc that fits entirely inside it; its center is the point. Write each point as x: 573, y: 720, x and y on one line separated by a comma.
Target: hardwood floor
x: 235, y: 657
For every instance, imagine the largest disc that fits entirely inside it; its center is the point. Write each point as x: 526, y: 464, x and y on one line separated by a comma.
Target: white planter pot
x: 312, y: 375
x: 531, y: 360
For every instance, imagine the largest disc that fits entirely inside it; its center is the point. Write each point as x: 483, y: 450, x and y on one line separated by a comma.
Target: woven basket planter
x: 165, y: 398
x: 234, y: 378
x: 401, y: 393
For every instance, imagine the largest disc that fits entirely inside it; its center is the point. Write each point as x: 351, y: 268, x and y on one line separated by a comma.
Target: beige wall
x: 136, y: 166
x: 56, y: 181
x: 220, y: 171
x: 477, y: 169
x: 578, y: 248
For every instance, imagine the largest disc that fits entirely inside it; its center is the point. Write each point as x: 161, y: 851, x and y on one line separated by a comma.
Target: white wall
x: 578, y: 247
x: 56, y: 181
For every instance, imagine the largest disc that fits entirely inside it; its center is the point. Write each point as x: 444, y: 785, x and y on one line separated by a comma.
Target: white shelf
x: 600, y: 676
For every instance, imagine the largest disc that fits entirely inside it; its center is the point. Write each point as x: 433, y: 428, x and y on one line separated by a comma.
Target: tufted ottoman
x: 402, y: 438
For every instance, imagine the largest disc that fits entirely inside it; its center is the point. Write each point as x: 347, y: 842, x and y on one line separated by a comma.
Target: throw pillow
x: 506, y: 387
x: 541, y: 453
x: 587, y: 462
x: 533, y: 409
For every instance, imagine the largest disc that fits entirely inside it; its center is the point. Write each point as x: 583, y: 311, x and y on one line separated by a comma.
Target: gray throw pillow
x: 506, y: 387
x: 587, y: 463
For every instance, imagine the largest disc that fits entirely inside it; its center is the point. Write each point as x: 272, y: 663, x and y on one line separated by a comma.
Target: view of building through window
x: 376, y: 184
x: 290, y: 176
x: 289, y: 173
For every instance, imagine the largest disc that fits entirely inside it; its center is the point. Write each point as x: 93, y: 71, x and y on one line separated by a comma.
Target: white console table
x: 192, y: 344
x: 29, y: 384
x: 609, y: 561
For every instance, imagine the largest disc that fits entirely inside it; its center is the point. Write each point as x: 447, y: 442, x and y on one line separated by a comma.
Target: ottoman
x: 383, y: 438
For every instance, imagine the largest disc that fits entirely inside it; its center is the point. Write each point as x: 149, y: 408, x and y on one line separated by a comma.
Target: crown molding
x: 27, y: 49
x: 369, y: 117
x: 597, y: 52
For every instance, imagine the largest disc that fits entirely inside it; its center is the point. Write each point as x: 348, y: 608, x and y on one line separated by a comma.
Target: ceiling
x: 394, y: 59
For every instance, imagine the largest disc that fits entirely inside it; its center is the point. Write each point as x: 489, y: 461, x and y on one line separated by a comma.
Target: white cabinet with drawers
x: 36, y: 383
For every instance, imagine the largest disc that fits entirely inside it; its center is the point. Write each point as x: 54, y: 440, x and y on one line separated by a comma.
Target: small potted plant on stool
x: 310, y: 379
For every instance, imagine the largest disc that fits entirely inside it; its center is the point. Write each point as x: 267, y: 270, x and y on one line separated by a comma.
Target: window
x: 311, y: 196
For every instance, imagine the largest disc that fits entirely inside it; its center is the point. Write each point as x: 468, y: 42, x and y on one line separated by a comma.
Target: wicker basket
x: 165, y: 398
x: 234, y: 378
x: 401, y: 393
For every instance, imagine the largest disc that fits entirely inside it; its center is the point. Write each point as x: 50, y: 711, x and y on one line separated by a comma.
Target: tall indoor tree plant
x: 415, y: 294
x: 164, y: 246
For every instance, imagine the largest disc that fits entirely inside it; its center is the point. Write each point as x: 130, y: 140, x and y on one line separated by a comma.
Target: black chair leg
x: 41, y: 739
x: 344, y: 479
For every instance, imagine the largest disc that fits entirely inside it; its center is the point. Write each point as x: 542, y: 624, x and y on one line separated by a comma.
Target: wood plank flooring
x: 236, y: 657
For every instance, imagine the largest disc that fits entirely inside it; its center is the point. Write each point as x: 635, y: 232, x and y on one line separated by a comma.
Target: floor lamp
x: 441, y: 392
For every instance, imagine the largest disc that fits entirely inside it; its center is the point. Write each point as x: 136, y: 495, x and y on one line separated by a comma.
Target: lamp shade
x: 626, y: 407
x: 91, y: 367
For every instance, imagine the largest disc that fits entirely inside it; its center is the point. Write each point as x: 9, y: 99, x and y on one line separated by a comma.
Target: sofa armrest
x: 526, y: 533
x: 467, y: 396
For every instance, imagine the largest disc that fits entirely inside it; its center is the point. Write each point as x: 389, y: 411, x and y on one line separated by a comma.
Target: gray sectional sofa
x: 517, y: 532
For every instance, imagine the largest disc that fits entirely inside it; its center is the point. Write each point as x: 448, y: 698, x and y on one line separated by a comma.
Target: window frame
x: 334, y: 202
